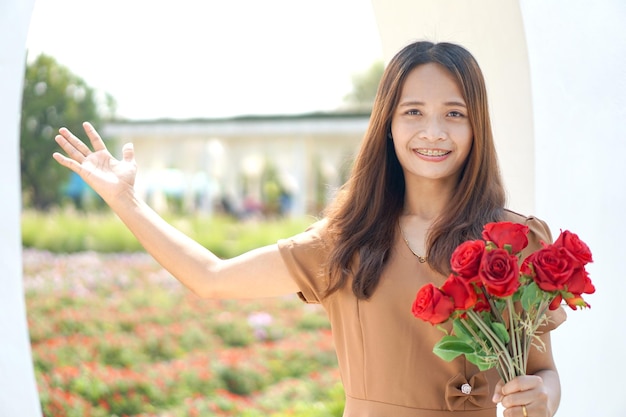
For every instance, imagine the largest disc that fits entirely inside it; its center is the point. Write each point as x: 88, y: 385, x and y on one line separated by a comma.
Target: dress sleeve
x: 305, y: 255
x: 539, y: 233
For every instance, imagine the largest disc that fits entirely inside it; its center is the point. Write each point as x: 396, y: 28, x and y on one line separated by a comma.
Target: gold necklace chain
x: 420, y: 258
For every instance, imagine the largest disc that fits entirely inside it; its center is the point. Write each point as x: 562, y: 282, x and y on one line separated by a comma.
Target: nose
x: 432, y: 129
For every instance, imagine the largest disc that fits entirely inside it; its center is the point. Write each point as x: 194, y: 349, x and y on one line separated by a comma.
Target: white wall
x: 577, y: 54
x: 18, y: 393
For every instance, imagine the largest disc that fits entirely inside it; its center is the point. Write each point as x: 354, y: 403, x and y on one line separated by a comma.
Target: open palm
x: 109, y: 177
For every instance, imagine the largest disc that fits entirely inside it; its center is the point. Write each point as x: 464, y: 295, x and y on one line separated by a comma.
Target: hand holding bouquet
x: 496, y: 306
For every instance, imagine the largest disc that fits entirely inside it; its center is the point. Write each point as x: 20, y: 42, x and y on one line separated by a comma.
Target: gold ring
x: 524, y: 411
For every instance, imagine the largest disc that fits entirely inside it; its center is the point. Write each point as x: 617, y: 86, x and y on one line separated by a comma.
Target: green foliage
x: 242, y: 380
x: 234, y: 333
x: 313, y: 321
x: 67, y: 231
x: 53, y: 97
x: 364, y: 87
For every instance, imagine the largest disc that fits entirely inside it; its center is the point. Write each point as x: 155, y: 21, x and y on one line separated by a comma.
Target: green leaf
x: 480, y: 362
x: 530, y: 296
x: 508, y: 248
x: 500, y: 331
x: 461, y: 331
x: 449, y: 347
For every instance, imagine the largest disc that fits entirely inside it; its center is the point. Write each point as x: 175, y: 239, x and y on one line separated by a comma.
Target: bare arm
x: 258, y: 273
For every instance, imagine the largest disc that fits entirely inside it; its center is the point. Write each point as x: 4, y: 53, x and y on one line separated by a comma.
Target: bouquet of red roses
x: 496, y: 305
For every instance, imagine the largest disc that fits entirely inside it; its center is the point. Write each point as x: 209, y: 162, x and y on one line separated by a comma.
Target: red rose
x: 553, y: 268
x: 579, y: 282
x: 482, y: 304
x: 499, y: 272
x: 507, y: 233
x: 461, y: 291
x: 577, y: 247
x: 465, y: 259
x: 432, y: 305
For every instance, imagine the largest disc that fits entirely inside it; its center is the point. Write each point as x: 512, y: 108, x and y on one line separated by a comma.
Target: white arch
x: 18, y: 392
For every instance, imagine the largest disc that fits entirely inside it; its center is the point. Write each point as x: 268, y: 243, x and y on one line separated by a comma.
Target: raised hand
x: 109, y: 177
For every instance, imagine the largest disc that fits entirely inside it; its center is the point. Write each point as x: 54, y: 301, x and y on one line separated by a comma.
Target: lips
x: 432, y: 152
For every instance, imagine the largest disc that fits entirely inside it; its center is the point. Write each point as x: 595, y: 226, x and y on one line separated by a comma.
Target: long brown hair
x: 362, y: 221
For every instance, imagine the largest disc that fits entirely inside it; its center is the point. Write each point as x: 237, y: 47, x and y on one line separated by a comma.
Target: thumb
x: 128, y: 152
x: 497, y: 394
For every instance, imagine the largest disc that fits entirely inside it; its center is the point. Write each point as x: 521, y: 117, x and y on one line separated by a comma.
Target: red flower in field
x: 461, y: 291
x: 465, y: 260
x: 507, y: 233
x: 432, y: 305
x: 104, y: 404
x: 499, y: 273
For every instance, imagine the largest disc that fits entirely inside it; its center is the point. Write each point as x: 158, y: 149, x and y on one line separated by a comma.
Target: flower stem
x: 515, y: 343
x: 488, y: 350
x: 496, y: 343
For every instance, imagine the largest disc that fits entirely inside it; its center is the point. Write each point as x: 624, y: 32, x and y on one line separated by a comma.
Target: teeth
x: 432, y: 152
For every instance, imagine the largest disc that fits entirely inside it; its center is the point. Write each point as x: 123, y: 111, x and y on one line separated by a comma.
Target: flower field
x: 115, y: 335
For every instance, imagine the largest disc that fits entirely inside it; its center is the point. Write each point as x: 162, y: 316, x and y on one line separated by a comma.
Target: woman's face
x: 432, y: 135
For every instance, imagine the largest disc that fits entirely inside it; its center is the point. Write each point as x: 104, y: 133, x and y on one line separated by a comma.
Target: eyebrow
x: 421, y: 103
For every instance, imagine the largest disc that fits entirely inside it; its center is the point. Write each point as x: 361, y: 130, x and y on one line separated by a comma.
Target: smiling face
x: 431, y: 131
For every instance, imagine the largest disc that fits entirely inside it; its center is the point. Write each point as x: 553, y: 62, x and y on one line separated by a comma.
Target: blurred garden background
x: 112, y: 334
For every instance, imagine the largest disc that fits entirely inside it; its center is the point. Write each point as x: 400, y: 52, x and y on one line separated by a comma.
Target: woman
x: 426, y: 179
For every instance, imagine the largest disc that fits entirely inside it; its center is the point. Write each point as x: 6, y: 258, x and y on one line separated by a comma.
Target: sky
x: 195, y: 58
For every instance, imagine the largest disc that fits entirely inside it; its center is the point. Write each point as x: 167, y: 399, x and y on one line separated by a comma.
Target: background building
x: 274, y: 164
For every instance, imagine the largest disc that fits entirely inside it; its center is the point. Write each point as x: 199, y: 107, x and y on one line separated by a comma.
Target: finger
x: 94, y: 137
x: 518, y: 411
x: 76, y: 143
x: 68, y: 146
x: 521, y: 383
x: 128, y: 152
x: 497, y: 393
x: 67, y: 162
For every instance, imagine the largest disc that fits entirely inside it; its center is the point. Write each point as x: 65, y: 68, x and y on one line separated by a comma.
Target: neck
x: 426, y: 199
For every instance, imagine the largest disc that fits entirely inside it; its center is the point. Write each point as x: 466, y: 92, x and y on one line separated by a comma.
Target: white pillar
x: 577, y: 54
x: 18, y: 392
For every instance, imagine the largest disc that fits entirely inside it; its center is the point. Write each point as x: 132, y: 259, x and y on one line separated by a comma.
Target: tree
x: 364, y: 87
x: 53, y: 97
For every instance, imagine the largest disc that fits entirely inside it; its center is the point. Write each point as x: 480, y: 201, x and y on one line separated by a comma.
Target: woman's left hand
x: 523, y: 396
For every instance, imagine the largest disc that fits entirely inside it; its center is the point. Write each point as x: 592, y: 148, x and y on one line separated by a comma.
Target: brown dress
x: 385, y: 354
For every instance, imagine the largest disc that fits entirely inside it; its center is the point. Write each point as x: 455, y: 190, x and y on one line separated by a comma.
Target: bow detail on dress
x: 459, y: 390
